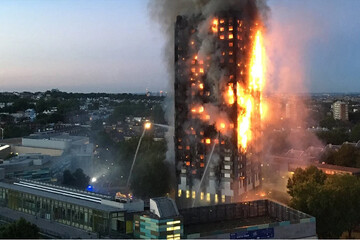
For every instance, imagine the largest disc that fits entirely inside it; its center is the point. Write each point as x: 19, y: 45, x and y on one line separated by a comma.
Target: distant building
x: 78, y: 147
x: 71, y: 151
x: 341, y: 111
x: 34, y: 166
x: 31, y: 114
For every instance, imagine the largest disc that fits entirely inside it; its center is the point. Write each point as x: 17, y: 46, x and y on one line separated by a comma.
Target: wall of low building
x: 44, y: 151
x: 279, y: 230
x: 300, y: 230
x: 5, y: 151
x: 45, y: 143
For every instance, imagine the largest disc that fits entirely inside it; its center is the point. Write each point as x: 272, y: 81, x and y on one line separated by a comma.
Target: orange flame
x: 249, y: 97
x: 256, y: 65
x: 215, y: 25
x: 230, y: 95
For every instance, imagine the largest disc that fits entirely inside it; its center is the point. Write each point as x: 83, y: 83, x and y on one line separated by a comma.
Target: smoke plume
x: 164, y: 12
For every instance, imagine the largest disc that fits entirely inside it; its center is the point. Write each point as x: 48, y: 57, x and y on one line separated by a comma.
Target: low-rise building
x: 247, y: 220
x: 84, y: 212
x: 160, y: 222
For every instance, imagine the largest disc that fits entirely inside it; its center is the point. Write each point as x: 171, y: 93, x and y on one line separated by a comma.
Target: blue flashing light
x: 90, y: 188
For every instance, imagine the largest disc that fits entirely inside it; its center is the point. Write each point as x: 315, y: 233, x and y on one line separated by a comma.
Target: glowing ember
x: 215, y: 24
x: 230, y: 95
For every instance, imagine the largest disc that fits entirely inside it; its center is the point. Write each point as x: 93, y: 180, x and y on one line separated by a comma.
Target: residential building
x: 341, y: 111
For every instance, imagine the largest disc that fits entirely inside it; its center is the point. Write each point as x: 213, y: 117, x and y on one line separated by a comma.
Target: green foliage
x: 337, y: 136
x: 20, y: 229
x: 354, y: 117
x: 13, y: 131
x: 76, y: 179
x: 328, y: 122
x: 303, y: 185
x: 126, y: 96
x: 333, y: 200
x: 157, y: 114
x: 51, y: 118
x: 67, y: 106
x: 355, y: 133
x: 104, y: 140
x: 151, y: 177
x: 43, y: 104
x: 347, y: 156
x: 94, y: 106
x: 96, y: 125
x: 151, y: 174
x: 126, y: 109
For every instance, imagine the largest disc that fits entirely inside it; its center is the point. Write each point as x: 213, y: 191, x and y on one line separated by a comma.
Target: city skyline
x: 81, y: 47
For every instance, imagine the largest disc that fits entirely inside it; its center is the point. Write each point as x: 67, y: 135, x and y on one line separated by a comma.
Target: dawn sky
x: 113, y: 46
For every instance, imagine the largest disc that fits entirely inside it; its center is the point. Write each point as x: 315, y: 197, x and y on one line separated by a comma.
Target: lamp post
x: 147, y: 126
x: 2, y: 133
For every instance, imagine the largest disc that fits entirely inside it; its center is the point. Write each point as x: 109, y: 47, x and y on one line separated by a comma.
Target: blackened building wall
x: 207, y: 66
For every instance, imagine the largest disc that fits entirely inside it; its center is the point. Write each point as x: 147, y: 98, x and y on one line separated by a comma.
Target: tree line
x: 333, y: 200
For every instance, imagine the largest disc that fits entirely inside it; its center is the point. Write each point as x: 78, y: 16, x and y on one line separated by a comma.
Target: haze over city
x: 114, y: 46
x: 179, y: 119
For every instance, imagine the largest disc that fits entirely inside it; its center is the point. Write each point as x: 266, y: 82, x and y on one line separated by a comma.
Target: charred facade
x: 211, y: 64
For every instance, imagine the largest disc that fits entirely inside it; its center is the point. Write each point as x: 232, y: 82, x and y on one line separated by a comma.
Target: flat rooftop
x: 242, y: 216
x: 228, y: 225
x: 60, y: 194
x: 55, y: 137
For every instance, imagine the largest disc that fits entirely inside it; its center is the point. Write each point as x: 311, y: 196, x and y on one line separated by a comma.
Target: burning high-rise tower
x: 218, y: 85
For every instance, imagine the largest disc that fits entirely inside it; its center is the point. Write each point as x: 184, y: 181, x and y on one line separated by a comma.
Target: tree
x: 68, y: 178
x: 347, y: 156
x: 81, y: 179
x: 20, y: 229
x: 76, y: 179
x: 329, y: 123
x: 333, y: 200
x: 337, y: 136
x: 345, y: 192
x: 355, y: 133
x: 151, y: 178
x: 12, y: 131
x: 151, y: 174
x: 303, y: 185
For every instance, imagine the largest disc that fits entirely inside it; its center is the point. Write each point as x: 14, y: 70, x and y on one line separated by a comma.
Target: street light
x: 147, y: 126
x: 2, y: 133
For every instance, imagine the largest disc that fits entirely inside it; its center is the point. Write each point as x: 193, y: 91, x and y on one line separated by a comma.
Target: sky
x: 114, y: 46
